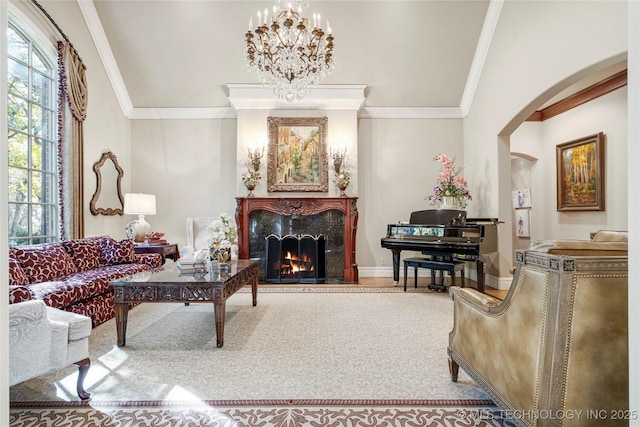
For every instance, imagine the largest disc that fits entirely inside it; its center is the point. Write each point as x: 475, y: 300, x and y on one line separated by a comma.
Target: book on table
x: 190, y: 266
x: 157, y: 242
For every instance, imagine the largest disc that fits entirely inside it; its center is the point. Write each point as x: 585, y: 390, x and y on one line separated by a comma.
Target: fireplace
x: 335, y: 218
x: 295, y: 259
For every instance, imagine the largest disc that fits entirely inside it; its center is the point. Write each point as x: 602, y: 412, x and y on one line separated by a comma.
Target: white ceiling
x: 182, y: 53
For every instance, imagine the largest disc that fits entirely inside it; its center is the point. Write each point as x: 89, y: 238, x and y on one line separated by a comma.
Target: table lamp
x: 141, y: 205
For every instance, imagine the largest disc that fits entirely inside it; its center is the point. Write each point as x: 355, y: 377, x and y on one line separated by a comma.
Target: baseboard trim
x: 375, y: 271
x: 499, y: 283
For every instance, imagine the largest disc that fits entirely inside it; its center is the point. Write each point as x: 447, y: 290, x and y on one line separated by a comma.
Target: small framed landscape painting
x: 297, y: 157
x: 580, y: 169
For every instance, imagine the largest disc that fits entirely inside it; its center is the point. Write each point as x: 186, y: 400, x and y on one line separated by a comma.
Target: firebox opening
x: 295, y: 259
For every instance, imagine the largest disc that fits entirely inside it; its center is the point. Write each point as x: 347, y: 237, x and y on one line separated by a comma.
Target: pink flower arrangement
x: 450, y: 183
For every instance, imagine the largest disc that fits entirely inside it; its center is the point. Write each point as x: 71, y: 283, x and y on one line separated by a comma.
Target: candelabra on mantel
x: 338, y: 155
x: 251, y: 177
x: 255, y: 155
x: 341, y: 177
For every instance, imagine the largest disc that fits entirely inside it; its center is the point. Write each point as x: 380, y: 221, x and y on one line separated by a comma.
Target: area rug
x: 300, y: 357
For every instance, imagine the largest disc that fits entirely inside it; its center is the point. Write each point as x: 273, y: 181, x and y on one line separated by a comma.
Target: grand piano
x: 444, y: 234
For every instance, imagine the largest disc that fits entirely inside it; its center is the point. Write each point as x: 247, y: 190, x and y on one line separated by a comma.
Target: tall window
x: 32, y: 127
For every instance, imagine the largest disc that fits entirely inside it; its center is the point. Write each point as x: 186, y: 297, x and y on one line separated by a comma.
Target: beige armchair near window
x: 557, y: 344
x: 42, y: 338
x: 198, y: 235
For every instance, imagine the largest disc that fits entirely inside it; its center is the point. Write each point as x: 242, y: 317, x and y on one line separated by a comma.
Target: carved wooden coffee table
x: 168, y: 285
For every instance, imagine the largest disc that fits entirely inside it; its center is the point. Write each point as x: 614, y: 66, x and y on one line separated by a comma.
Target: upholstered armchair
x: 198, y: 235
x: 557, y: 344
x: 43, y: 338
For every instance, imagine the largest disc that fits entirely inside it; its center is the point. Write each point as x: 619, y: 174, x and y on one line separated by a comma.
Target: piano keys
x: 444, y: 234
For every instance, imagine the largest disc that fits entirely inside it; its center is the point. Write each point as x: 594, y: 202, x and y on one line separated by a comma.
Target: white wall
x: 521, y: 72
x: 397, y: 173
x: 190, y: 165
x: 526, y: 142
x: 538, y: 49
x: 633, y: 159
x: 605, y: 114
x: 4, y: 232
x: 106, y: 128
x: 252, y: 124
x: 194, y: 168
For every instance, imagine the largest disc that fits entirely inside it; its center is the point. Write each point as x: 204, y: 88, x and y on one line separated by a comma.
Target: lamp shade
x: 138, y: 203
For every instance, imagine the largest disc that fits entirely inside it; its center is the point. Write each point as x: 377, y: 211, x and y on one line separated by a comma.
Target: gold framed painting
x: 297, y: 155
x: 580, y: 169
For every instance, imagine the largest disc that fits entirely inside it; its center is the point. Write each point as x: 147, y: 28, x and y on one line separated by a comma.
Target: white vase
x: 449, y: 202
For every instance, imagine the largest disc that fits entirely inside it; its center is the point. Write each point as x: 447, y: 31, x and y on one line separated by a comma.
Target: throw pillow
x: 117, y: 252
x: 84, y: 252
x: 44, y: 262
x: 17, y: 276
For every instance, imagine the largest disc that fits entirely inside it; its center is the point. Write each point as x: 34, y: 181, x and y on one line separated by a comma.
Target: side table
x: 166, y: 251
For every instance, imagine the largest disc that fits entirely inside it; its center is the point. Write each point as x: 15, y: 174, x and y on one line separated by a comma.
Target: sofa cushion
x: 69, y: 290
x: 84, y: 252
x: 61, y: 293
x: 153, y: 260
x: 19, y: 293
x: 117, y: 252
x: 580, y: 247
x: 17, y: 276
x: 610, y: 236
x: 44, y: 262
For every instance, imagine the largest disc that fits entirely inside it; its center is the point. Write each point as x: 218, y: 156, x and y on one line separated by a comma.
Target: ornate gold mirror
x: 108, y: 199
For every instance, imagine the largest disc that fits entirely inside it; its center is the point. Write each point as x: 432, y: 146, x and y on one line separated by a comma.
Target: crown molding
x: 322, y: 97
x: 410, y: 113
x: 230, y: 113
x: 182, y: 113
x: 480, y: 56
x: 99, y: 37
x: 241, y: 96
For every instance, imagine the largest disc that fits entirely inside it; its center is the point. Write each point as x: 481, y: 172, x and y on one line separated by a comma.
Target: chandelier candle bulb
x: 289, y: 56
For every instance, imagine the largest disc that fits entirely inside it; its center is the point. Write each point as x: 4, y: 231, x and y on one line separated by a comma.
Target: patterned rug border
x: 266, y: 288
x: 256, y: 403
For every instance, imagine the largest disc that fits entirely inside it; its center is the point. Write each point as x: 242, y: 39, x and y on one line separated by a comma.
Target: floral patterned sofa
x: 74, y: 275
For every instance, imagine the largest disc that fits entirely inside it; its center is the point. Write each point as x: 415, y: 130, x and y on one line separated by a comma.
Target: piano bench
x: 441, y: 266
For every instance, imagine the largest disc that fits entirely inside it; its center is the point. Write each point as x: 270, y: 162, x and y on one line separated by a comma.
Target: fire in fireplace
x: 295, y: 259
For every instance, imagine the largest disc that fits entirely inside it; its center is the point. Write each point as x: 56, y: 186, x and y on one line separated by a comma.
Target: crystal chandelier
x: 290, y: 54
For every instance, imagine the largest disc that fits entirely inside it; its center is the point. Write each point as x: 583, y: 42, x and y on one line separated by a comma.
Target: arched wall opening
x: 527, y: 141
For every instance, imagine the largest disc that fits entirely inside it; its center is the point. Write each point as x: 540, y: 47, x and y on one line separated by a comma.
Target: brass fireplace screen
x: 295, y: 259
